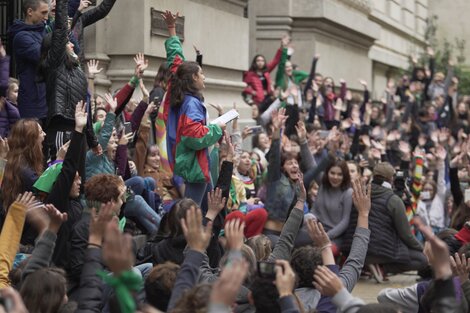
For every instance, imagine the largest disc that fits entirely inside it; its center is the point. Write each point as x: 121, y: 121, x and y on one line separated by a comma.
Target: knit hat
x: 385, y: 170
x: 48, y: 178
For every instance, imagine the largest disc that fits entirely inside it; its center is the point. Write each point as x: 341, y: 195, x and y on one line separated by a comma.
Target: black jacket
x: 59, y: 196
x: 80, y: 21
x: 66, y: 83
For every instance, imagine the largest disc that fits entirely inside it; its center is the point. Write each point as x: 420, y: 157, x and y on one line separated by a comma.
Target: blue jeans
x: 198, y: 192
x: 144, y: 187
x: 139, y: 211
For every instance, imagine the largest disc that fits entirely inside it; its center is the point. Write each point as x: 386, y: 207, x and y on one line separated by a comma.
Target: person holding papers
x: 193, y: 135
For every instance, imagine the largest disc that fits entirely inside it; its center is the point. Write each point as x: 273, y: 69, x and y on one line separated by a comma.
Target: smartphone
x: 399, y: 174
x: 324, y: 134
x: 467, y: 195
x: 127, y: 127
x: 256, y: 129
x: 93, y: 3
x: 266, y: 269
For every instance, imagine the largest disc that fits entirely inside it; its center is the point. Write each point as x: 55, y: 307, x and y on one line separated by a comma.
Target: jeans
x: 139, y: 211
x: 198, y: 192
x: 145, y: 187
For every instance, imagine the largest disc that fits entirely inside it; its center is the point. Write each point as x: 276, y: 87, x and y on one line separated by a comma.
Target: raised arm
x: 42, y: 253
x: 285, y: 244
x: 57, y: 52
x: 351, y: 270
x: 11, y: 234
x: 277, y: 58
x: 59, y: 194
x: 173, y: 47
x: 274, y: 168
x: 94, y: 15
x: 198, y: 238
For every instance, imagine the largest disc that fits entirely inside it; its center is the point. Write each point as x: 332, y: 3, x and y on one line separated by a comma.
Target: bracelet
x: 134, y: 81
x: 91, y: 77
x: 94, y: 245
x: 328, y: 245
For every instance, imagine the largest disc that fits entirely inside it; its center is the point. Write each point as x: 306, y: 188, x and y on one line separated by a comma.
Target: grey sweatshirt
x: 333, y: 209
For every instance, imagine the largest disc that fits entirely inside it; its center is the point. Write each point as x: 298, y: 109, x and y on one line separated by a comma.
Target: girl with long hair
x: 25, y: 161
x: 192, y: 135
x: 259, y: 90
x: 24, y: 166
x: 334, y: 200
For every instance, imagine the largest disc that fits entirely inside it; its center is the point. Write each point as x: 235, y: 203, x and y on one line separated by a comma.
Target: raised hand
x: 285, y: 41
x: 197, y: 236
x: 217, y: 107
x: 302, y: 192
x: 93, y: 68
x: 301, y: 131
x: 117, y: 250
x: 327, y: 282
x: 285, y: 278
x: 56, y: 218
x: 440, y: 262
x: 279, y: 118
x: 226, y: 288
x: 441, y: 153
x: 363, y: 83
x: 230, y: 148
x: 170, y: 18
x: 460, y: 266
x: 215, y: 203
x: 361, y: 197
x: 234, y: 234
x: 80, y: 116
x: 83, y: 5
x: 141, y: 64
x: 111, y: 101
x: 125, y: 138
x: 317, y: 233
x: 98, y: 222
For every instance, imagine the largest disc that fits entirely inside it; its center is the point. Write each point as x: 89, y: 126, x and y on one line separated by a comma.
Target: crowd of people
x: 113, y: 204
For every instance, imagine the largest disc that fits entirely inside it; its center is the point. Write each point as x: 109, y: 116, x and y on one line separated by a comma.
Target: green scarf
x: 123, y: 285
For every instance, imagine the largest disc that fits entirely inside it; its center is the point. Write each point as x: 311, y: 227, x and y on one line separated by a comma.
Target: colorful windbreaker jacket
x: 193, y: 138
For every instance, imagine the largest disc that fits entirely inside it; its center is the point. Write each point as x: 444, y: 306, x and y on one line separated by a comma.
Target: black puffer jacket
x: 66, y: 83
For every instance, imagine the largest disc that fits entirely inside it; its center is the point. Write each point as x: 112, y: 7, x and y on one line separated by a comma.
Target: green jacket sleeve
x: 299, y: 76
x: 280, y: 75
x: 107, y: 130
x: 197, y: 143
x: 173, y: 48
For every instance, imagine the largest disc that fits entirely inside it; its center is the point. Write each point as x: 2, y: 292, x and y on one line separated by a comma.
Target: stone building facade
x: 356, y: 38
x: 217, y: 27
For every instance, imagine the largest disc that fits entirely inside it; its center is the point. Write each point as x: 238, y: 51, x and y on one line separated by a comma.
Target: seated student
x: 392, y: 245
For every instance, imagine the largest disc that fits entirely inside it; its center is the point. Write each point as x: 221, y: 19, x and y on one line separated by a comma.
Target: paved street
x: 367, y: 289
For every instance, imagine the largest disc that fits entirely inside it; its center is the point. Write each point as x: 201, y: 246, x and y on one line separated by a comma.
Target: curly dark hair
x: 304, y: 262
